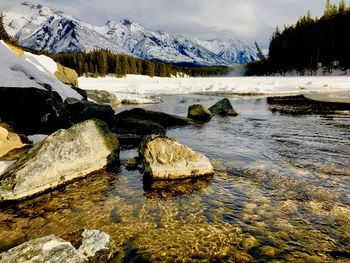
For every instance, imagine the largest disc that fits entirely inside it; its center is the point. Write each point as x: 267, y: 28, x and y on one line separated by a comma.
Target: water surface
x: 281, y: 192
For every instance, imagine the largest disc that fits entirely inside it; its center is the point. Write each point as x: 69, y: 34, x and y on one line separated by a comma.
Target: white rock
x: 49, y: 249
x: 166, y: 158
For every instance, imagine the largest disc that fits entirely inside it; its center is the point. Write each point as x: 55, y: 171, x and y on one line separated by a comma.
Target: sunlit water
x: 281, y: 192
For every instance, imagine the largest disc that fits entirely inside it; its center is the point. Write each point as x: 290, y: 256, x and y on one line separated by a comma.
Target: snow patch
x: 31, y: 72
x: 4, y: 165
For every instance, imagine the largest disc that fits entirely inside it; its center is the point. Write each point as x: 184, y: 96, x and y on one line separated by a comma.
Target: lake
x: 281, y: 192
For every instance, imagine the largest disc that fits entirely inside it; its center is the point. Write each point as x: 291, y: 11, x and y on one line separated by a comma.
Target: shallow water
x: 281, y: 192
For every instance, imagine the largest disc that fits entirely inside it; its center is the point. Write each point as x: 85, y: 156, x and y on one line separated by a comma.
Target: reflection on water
x: 281, y: 192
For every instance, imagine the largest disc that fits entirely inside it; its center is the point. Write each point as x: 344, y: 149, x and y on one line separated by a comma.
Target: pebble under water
x: 281, y: 193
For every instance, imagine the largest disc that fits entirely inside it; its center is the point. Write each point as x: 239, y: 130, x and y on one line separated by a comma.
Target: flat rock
x: 164, y: 119
x: 199, y: 112
x: 298, y: 105
x: 49, y: 249
x: 63, y: 156
x: 223, y: 107
x: 165, y: 158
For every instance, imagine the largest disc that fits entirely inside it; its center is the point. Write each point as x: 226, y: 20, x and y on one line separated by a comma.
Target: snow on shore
x: 141, y: 86
x: 32, y: 71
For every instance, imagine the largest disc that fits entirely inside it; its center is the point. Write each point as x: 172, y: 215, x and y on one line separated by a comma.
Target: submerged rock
x: 223, y: 107
x: 103, y: 97
x: 199, y: 112
x: 166, y: 158
x: 97, y: 246
x: 42, y: 250
x: 63, y: 156
x: 300, y: 104
x: 9, y: 140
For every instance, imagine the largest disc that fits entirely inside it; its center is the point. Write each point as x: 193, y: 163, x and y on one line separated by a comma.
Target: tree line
x: 309, y: 44
x: 102, y: 62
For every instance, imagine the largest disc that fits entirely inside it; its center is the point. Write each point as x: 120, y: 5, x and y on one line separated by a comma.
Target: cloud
x: 248, y: 20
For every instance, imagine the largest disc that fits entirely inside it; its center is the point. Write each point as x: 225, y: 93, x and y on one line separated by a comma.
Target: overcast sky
x: 248, y: 20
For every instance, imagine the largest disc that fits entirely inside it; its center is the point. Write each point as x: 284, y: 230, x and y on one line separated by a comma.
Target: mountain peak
x: 43, y: 28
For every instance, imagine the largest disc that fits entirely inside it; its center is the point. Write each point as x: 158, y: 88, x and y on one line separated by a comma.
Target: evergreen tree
x: 260, y: 53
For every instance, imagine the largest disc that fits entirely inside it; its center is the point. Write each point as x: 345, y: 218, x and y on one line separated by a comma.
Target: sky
x: 247, y: 20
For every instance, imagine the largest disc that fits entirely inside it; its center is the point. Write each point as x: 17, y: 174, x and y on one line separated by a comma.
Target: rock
x: 103, y: 97
x: 299, y: 105
x: 81, y: 92
x: 223, y: 107
x: 33, y: 111
x: 63, y: 156
x: 67, y: 75
x: 164, y: 119
x: 132, y: 164
x: 138, y: 126
x: 42, y: 250
x: 80, y: 110
x: 97, y: 246
x: 166, y: 158
x: 9, y: 140
x: 132, y: 125
x: 199, y: 112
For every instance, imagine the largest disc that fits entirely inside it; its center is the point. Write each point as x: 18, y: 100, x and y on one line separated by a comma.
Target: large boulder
x: 42, y: 250
x: 223, y: 107
x: 67, y: 75
x: 103, y: 97
x: 32, y: 110
x: 81, y: 110
x: 199, y: 112
x: 9, y: 140
x: 63, y: 156
x: 166, y: 158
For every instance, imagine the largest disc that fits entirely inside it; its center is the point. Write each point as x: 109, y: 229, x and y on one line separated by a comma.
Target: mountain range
x: 42, y: 28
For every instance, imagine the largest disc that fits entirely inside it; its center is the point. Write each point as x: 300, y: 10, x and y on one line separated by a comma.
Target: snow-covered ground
x: 134, y: 86
x: 32, y: 71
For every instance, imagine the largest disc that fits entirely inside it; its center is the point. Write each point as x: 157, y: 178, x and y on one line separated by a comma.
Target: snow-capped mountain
x: 42, y: 28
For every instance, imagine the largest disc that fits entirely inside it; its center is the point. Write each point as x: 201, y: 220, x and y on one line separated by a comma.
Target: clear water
x: 281, y: 193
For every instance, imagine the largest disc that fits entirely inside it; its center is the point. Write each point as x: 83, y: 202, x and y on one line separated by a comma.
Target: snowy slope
x: 32, y: 71
x: 42, y: 28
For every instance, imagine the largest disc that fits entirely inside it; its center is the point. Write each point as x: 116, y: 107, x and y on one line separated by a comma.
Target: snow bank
x: 31, y: 72
x: 141, y: 86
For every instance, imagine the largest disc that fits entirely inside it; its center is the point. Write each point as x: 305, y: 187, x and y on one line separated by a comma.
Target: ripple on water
x: 281, y: 192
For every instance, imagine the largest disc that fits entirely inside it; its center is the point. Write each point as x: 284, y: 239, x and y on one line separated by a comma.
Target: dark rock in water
x: 138, y: 126
x: 164, y: 119
x: 223, y: 107
x: 32, y: 110
x: 133, y: 164
x: 132, y: 125
x: 85, y: 110
x: 299, y: 105
x: 199, y: 112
